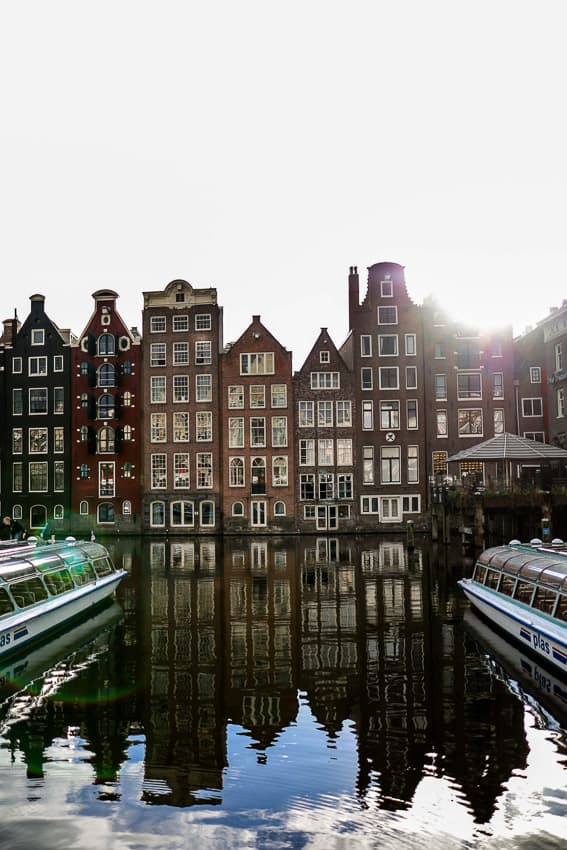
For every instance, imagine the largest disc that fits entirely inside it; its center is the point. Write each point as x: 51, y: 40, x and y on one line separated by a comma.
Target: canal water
x: 325, y: 693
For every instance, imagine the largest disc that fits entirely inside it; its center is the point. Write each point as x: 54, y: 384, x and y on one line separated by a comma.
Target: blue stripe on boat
x: 20, y: 633
x: 526, y: 635
x: 560, y: 656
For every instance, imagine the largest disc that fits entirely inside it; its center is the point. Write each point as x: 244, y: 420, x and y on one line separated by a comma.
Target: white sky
x: 263, y: 148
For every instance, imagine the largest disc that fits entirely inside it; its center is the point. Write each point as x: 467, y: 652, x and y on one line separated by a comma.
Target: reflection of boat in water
x: 535, y: 684
x: 522, y: 589
x: 28, y: 678
x: 43, y: 586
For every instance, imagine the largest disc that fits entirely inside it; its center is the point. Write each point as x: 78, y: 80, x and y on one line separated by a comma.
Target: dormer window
x: 37, y: 336
x: 387, y: 287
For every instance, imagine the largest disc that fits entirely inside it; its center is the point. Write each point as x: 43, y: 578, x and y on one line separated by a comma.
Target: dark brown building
x: 258, y: 479
x: 385, y: 350
x: 107, y: 432
x: 324, y: 440
x: 182, y: 338
x: 530, y: 385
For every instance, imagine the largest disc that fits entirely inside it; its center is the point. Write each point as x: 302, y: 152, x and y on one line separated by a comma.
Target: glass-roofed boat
x: 522, y: 589
x: 45, y: 585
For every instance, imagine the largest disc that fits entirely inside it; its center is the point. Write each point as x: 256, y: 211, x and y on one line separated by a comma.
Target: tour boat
x: 522, y: 589
x: 45, y: 585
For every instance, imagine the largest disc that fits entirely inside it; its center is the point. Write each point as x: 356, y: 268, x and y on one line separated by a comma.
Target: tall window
x: 203, y: 353
x: 105, y: 407
x: 560, y: 402
x: 38, y: 400
x: 180, y: 353
x: 158, y: 471
x: 106, y: 479
x: 279, y: 471
x: 498, y: 385
x: 413, y: 464
x: 499, y: 421
x: 389, y: 415
x: 204, y: 470
x: 236, y: 472
x: 106, y: 375
x: 411, y: 413
x: 38, y: 477
x: 325, y: 452
x: 306, y: 414
x: 278, y: 395
x: 204, y: 426
x: 235, y: 397
x: 106, y: 440
x: 442, y: 423
x: 181, y: 427
x: 367, y: 416
x: 203, y: 388
x: 257, y: 431
x: 324, y: 414
x: 307, y: 452
x: 181, y: 470
x: 344, y: 452
x: 236, y: 432
x: 390, y: 464
x: 279, y: 431
x: 180, y: 388
x: 158, y: 430
x: 157, y: 389
x: 257, y: 395
x: 157, y: 354
x: 343, y: 414
x: 558, y: 352
x: 441, y: 387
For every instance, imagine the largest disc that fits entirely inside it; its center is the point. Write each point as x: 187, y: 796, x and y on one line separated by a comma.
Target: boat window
x: 492, y: 578
x: 479, y: 573
x: 102, y: 567
x: 545, y: 599
x: 6, y: 604
x: 46, y: 562
x: 507, y: 585
x: 59, y: 582
x: 553, y: 576
x: 524, y: 592
x: 28, y: 592
x: 83, y: 573
x: 561, y: 612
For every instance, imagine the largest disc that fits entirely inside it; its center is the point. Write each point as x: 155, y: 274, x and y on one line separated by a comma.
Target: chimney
x: 353, y: 294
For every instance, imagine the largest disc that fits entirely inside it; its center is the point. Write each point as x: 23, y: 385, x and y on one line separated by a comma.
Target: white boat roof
x: 541, y: 565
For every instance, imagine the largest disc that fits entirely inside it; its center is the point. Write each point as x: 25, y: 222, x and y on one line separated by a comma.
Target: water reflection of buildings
x: 185, y: 729
x: 329, y: 653
x: 260, y: 605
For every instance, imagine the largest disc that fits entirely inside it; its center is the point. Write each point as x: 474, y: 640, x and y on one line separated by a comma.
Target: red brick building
x: 107, y: 434
x: 258, y: 476
x: 324, y: 440
x: 182, y: 339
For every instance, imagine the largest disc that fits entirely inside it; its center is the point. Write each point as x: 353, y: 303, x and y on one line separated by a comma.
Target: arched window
x: 106, y: 440
x: 127, y: 432
x: 105, y: 407
x: 258, y: 472
x: 84, y: 471
x: 38, y: 516
x: 126, y: 507
x: 279, y: 508
x: 207, y: 513
x: 58, y: 512
x: 84, y: 508
x: 127, y: 470
x: 237, y: 509
x: 84, y: 399
x: 106, y: 375
x: 236, y: 472
x: 157, y: 514
x: 182, y: 514
x: 106, y: 344
x: 127, y: 399
x: 84, y: 367
x: 84, y: 433
x: 127, y: 367
x: 105, y: 512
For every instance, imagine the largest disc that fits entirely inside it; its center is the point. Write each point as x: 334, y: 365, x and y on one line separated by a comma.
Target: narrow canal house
x: 36, y: 421
x: 385, y: 351
x: 324, y: 440
x: 182, y: 339
x: 107, y: 433
x: 554, y: 330
x: 469, y: 391
x: 258, y: 477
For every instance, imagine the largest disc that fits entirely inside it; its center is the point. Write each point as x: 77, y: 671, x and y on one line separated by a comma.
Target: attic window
x: 180, y: 297
x: 324, y: 357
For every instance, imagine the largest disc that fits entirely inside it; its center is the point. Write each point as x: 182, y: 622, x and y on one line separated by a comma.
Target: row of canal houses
x: 172, y: 431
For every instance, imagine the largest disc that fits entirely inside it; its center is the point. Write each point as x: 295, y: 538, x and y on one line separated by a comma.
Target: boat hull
x: 31, y: 624
x: 542, y: 636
